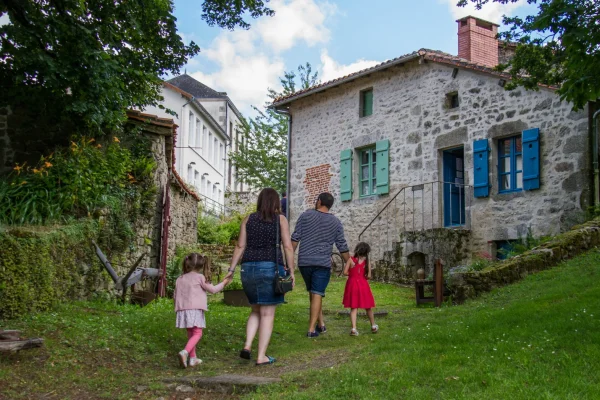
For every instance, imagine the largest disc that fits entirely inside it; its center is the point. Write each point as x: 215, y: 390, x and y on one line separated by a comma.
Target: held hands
x: 228, y: 279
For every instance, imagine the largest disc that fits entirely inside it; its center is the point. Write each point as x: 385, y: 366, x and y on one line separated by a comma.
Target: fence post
x: 439, y: 283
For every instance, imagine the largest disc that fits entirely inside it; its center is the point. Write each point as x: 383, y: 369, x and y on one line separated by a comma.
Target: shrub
x: 212, y: 230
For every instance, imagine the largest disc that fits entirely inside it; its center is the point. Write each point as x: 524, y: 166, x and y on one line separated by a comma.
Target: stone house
x: 209, y: 128
x: 428, y: 156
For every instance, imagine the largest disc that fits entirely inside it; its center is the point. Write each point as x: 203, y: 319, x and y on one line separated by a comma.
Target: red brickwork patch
x: 316, y: 182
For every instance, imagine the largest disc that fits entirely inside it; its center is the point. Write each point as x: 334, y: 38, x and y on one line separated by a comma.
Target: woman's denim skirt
x: 257, y: 280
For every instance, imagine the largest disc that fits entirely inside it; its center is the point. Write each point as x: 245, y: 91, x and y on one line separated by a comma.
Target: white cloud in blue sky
x: 337, y: 37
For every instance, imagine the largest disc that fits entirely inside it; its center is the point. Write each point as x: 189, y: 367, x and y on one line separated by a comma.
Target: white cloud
x: 297, y: 20
x: 492, y: 12
x: 330, y: 69
x: 4, y: 19
x: 249, y: 61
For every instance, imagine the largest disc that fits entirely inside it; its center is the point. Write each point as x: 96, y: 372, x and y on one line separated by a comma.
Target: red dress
x: 358, y: 292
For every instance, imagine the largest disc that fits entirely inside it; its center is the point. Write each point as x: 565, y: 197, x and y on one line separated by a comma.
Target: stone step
x: 227, y: 384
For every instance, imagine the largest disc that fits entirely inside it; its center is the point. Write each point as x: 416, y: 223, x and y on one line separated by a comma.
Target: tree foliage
x: 262, y: 159
x: 85, y: 62
x: 559, y: 46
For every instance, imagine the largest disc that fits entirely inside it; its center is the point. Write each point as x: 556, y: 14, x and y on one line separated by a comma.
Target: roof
x: 203, y: 110
x: 200, y: 91
x: 150, y: 119
x: 424, y: 54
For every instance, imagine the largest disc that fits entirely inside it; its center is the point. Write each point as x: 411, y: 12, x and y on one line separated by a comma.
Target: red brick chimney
x: 477, y: 41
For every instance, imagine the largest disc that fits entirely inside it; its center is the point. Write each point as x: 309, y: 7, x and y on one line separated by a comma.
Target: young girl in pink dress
x: 358, y: 292
x: 191, y: 303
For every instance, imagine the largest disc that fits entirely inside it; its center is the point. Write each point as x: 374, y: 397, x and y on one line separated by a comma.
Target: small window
x: 510, y: 164
x: 505, y: 248
x: 367, y: 172
x: 366, y: 103
x: 452, y: 100
x: 191, y: 130
x: 198, y: 142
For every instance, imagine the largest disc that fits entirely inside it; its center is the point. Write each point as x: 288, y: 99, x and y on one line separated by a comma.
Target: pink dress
x: 358, y: 292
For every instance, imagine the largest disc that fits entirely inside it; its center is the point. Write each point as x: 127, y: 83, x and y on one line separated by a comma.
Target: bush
x: 212, y: 230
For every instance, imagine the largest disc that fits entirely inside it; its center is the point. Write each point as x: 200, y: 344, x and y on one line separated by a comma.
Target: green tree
x: 559, y: 46
x: 80, y: 64
x: 261, y: 160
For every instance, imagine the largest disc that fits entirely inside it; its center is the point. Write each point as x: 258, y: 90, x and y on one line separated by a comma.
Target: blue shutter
x: 382, y: 165
x: 481, y: 153
x: 531, y: 159
x: 346, y: 175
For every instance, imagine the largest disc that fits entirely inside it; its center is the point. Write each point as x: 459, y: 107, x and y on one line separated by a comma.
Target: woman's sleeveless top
x: 260, y: 240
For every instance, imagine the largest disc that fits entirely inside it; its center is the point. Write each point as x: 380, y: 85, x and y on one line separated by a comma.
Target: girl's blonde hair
x: 198, y: 263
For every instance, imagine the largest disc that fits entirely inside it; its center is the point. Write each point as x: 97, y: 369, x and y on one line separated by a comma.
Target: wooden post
x: 439, y: 283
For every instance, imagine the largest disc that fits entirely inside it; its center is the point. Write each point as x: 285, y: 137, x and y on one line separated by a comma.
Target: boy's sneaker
x: 321, y: 329
x: 375, y: 329
x: 353, y: 332
x: 183, y: 358
x: 194, y: 361
x: 312, y: 334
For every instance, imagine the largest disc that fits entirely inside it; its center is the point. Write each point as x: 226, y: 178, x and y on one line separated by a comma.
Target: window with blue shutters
x: 367, y: 172
x: 531, y: 159
x: 510, y: 164
x: 481, y: 184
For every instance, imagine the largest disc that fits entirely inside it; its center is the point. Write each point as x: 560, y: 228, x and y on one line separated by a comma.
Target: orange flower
x: 47, y: 164
x: 18, y: 168
x: 36, y: 171
x: 24, y: 182
x: 92, y: 140
x: 116, y: 139
x: 73, y: 144
x: 98, y: 146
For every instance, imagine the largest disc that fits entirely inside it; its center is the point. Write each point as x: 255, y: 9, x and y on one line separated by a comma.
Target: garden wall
x: 565, y: 246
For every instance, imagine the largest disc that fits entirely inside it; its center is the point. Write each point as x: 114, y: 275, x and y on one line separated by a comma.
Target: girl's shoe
x: 353, y: 332
x: 375, y: 329
x: 183, y: 358
x: 194, y: 361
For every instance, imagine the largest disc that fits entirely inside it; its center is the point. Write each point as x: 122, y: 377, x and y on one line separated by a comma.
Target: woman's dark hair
x: 197, y: 263
x: 363, y: 249
x: 268, y: 205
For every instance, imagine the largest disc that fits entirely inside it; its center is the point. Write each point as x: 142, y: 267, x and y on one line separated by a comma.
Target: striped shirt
x: 317, y: 232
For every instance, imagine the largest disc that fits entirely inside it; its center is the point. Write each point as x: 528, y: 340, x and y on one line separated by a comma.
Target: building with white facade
x: 208, y: 121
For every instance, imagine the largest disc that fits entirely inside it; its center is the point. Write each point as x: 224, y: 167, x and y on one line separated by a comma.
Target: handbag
x: 281, y: 285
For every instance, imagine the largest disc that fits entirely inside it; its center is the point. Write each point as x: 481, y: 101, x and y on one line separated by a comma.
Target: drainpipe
x: 595, y: 157
x: 289, y: 157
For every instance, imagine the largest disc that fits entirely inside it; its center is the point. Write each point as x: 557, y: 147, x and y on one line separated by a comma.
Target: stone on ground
x: 227, y: 383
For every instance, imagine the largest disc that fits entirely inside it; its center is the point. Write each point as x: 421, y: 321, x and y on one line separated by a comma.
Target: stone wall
x: 565, y: 246
x: 240, y: 202
x: 410, y: 110
x: 184, y: 218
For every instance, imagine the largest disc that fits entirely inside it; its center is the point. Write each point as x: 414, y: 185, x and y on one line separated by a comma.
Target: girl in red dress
x: 358, y: 292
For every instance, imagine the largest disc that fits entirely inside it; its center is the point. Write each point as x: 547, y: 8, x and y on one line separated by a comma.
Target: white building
x: 208, y: 121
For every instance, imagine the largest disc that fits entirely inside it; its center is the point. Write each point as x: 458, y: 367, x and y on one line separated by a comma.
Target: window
x: 510, y: 164
x: 452, y: 100
x: 204, y: 140
x: 209, y: 146
x: 196, y: 176
x: 367, y: 172
x: 214, y: 192
x: 190, y: 173
x: 216, y: 153
x: 221, y: 155
x: 203, y: 185
x: 208, y: 189
x: 198, y: 141
x: 191, y: 130
x: 366, y: 102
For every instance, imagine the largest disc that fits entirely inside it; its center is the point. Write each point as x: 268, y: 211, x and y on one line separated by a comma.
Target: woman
x: 258, y: 248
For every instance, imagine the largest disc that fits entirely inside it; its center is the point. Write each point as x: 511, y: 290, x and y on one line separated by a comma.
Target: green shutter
x: 346, y: 175
x: 382, y: 164
x: 367, y: 102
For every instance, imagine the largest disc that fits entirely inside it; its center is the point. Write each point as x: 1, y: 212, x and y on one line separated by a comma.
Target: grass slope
x: 539, y: 338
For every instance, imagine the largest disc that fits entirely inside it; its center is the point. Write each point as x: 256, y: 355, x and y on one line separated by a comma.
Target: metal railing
x: 212, y: 207
x: 418, y: 208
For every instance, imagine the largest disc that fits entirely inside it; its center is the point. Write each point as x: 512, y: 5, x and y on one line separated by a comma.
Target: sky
x: 336, y: 37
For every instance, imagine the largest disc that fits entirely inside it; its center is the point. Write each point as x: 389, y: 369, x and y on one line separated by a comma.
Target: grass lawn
x: 537, y: 339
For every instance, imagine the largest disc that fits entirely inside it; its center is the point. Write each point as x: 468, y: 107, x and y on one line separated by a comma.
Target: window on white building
x: 216, y: 153
x: 204, y: 141
x: 191, y: 129
x: 203, y: 185
x: 208, y: 189
x: 198, y: 134
x: 210, y: 146
x: 190, y: 174
x: 196, y: 179
x: 221, y: 155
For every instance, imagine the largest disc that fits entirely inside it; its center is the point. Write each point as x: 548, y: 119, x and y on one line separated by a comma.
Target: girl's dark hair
x: 268, y: 205
x: 363, y: 249
x: 197, y: 263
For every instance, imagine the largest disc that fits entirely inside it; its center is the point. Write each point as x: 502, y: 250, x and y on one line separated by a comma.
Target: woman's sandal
x: 271, y: 361
x: 245, y: 354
